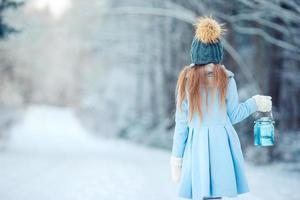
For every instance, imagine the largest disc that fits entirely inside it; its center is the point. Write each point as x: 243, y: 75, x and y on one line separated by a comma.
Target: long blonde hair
x: 193, y: 80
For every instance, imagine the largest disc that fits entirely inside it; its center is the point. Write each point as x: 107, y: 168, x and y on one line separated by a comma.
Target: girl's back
x: 208, y: 94
x: 213, y: 109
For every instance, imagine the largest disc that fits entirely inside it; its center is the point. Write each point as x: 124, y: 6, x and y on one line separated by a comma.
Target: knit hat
x: 206, y: 46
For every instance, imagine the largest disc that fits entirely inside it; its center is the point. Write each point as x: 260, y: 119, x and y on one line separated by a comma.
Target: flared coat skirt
x: 213, y: 163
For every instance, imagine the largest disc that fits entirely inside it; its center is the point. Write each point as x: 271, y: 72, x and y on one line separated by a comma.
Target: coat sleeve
x: 238, y: 111
x: 181, y: 130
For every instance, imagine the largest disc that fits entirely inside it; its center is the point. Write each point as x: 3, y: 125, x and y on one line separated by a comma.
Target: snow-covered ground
x: 51, y: 157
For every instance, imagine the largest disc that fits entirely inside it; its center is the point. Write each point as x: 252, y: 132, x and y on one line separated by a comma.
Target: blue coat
x: 213, y: 163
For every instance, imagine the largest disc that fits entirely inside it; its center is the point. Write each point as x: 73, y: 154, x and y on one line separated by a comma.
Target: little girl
x: 207, y: 160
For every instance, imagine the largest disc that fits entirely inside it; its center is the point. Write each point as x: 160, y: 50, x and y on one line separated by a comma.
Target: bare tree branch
x: 292, y: 4
x: 278, y: 11
x: 256, y: 17
x: 267, y: 37
x: 182, y: 15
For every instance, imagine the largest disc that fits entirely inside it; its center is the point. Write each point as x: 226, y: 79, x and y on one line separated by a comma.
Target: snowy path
x: 51, y: 157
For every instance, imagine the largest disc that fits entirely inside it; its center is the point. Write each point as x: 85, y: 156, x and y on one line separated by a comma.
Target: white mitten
x: 176, y: 164
x: 263, y: 103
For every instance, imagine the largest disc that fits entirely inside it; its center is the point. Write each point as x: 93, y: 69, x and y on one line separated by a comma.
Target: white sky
x: 56, y: 8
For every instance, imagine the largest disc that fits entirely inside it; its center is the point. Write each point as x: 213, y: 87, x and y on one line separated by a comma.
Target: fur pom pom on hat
x: 208, y: 30
x: 206, y: 46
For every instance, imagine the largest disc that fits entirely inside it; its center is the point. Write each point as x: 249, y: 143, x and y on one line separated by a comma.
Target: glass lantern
x: 264, y: 129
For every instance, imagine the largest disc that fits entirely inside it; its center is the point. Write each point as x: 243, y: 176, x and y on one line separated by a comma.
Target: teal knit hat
x: 206, y: 46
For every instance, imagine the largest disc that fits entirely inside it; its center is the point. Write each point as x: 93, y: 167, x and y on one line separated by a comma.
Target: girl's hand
x: 263, y: 103
x: 176, y: 164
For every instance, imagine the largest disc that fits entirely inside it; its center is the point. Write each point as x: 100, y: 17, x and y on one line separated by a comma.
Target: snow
x: 50, y: 156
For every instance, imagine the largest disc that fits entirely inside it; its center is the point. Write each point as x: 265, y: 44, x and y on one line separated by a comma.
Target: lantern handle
x: 271, y: 115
